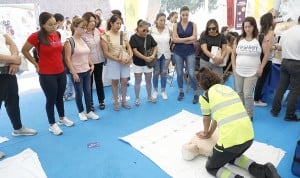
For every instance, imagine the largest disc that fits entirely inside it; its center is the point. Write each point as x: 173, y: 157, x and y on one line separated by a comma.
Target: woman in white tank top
x: 246, y: 63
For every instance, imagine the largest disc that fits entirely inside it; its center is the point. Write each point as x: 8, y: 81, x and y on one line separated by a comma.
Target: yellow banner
x: 257, y: 8
x: 131, y: 14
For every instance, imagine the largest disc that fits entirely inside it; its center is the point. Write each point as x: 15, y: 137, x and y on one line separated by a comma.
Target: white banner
x: 18, y: 20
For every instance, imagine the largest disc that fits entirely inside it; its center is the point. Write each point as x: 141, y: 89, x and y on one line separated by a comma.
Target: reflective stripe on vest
x: 243, y: 162
x: 225, y: 104
x: 205, y: 111
x: 223, y: 172
x: 232, y: 118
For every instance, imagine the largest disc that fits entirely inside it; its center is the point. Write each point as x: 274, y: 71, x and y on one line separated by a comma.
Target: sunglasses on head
x: 211, y: 28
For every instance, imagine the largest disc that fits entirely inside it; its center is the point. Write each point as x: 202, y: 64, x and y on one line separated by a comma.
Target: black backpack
x: 36, y: 51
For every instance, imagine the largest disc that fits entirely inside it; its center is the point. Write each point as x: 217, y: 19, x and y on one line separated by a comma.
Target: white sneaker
x: 154, y: 95
x: 92, y: 115
x: 82, y: 116
x: 260, y: 103
x: 65, y: 121
x: 24, y: 131
x: 54, y: 128
x: 164, y: 95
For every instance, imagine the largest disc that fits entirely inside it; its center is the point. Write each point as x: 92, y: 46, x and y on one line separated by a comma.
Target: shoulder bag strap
x: 121, y: 38
x: 220, y: 43
x: 72, y: 44
x: 145, y: 42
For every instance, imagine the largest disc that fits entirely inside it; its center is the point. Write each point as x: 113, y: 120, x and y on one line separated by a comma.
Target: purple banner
x: 240, y: 13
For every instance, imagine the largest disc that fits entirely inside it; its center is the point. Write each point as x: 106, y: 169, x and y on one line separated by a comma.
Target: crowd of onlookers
x: 71, y: 54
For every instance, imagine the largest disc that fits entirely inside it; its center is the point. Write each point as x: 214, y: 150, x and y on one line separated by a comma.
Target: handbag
x: 149, y: 52
x: 217, y: 51
x: 296, y: 161
x: 123, y: 55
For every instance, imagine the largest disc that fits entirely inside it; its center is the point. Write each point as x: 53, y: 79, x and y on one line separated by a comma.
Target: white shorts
x: 116, y: 71
x: 141, y: 69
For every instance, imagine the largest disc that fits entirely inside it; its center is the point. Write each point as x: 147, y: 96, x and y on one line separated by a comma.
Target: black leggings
x: 54, y: 86
x: 9, y: 94
x: 261, y: 81
x: 97, y: 73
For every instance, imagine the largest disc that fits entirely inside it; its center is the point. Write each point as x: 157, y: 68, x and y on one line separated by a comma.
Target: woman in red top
x: 50, y: 68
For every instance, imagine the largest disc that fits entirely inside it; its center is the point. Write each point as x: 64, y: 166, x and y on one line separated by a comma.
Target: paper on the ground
x: 162, y: 143
x: 3, y: 139
x: 24, y: 165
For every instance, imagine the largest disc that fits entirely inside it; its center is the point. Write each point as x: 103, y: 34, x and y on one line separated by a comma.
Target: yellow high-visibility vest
x: 224, y: 105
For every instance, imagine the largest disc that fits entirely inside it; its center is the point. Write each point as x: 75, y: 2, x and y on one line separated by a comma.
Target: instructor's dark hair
x: 207, y: 78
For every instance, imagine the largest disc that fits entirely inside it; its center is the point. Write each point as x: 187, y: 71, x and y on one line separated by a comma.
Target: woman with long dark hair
x: 246, y: 63
x: 184, y: 36
x: 118, y: 68
x: 213, y: 38
x: 50, y: 68
x: 267, y: 25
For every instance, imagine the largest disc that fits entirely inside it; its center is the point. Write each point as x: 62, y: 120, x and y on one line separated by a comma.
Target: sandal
x: 137, y: 102
x: 102, y: 106
x: 125, y: 105
x: 180, y: 96
x: 116, y: 106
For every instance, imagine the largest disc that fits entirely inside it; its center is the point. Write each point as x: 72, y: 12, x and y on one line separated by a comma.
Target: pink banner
x: 240, y: 13
x: 230, y: 13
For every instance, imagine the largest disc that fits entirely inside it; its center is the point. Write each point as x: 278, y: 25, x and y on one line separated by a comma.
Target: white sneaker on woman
x: 260, y: 103
x: 92, y: 115
x: 65, y: 121
x: 154, y: 94
x: 164, y: 95
x: 54, y: 128
x: 82, y: 116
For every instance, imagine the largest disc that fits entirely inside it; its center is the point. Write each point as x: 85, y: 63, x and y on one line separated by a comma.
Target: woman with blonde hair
x: 81, y: 67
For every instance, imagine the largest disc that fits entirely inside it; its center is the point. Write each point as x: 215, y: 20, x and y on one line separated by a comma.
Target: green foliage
x: 194, y: 5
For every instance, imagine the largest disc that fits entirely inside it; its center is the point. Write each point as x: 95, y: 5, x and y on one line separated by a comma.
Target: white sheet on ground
x: 25, y: 164
x: 162, y: 143
x: 3, y: 139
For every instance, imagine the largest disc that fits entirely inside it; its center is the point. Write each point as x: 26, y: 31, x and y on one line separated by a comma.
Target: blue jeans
x: 161, y: 68
x: 69, y: 85
x: 54, y: 86
x: 84, y: 85
x: 190, y: 67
